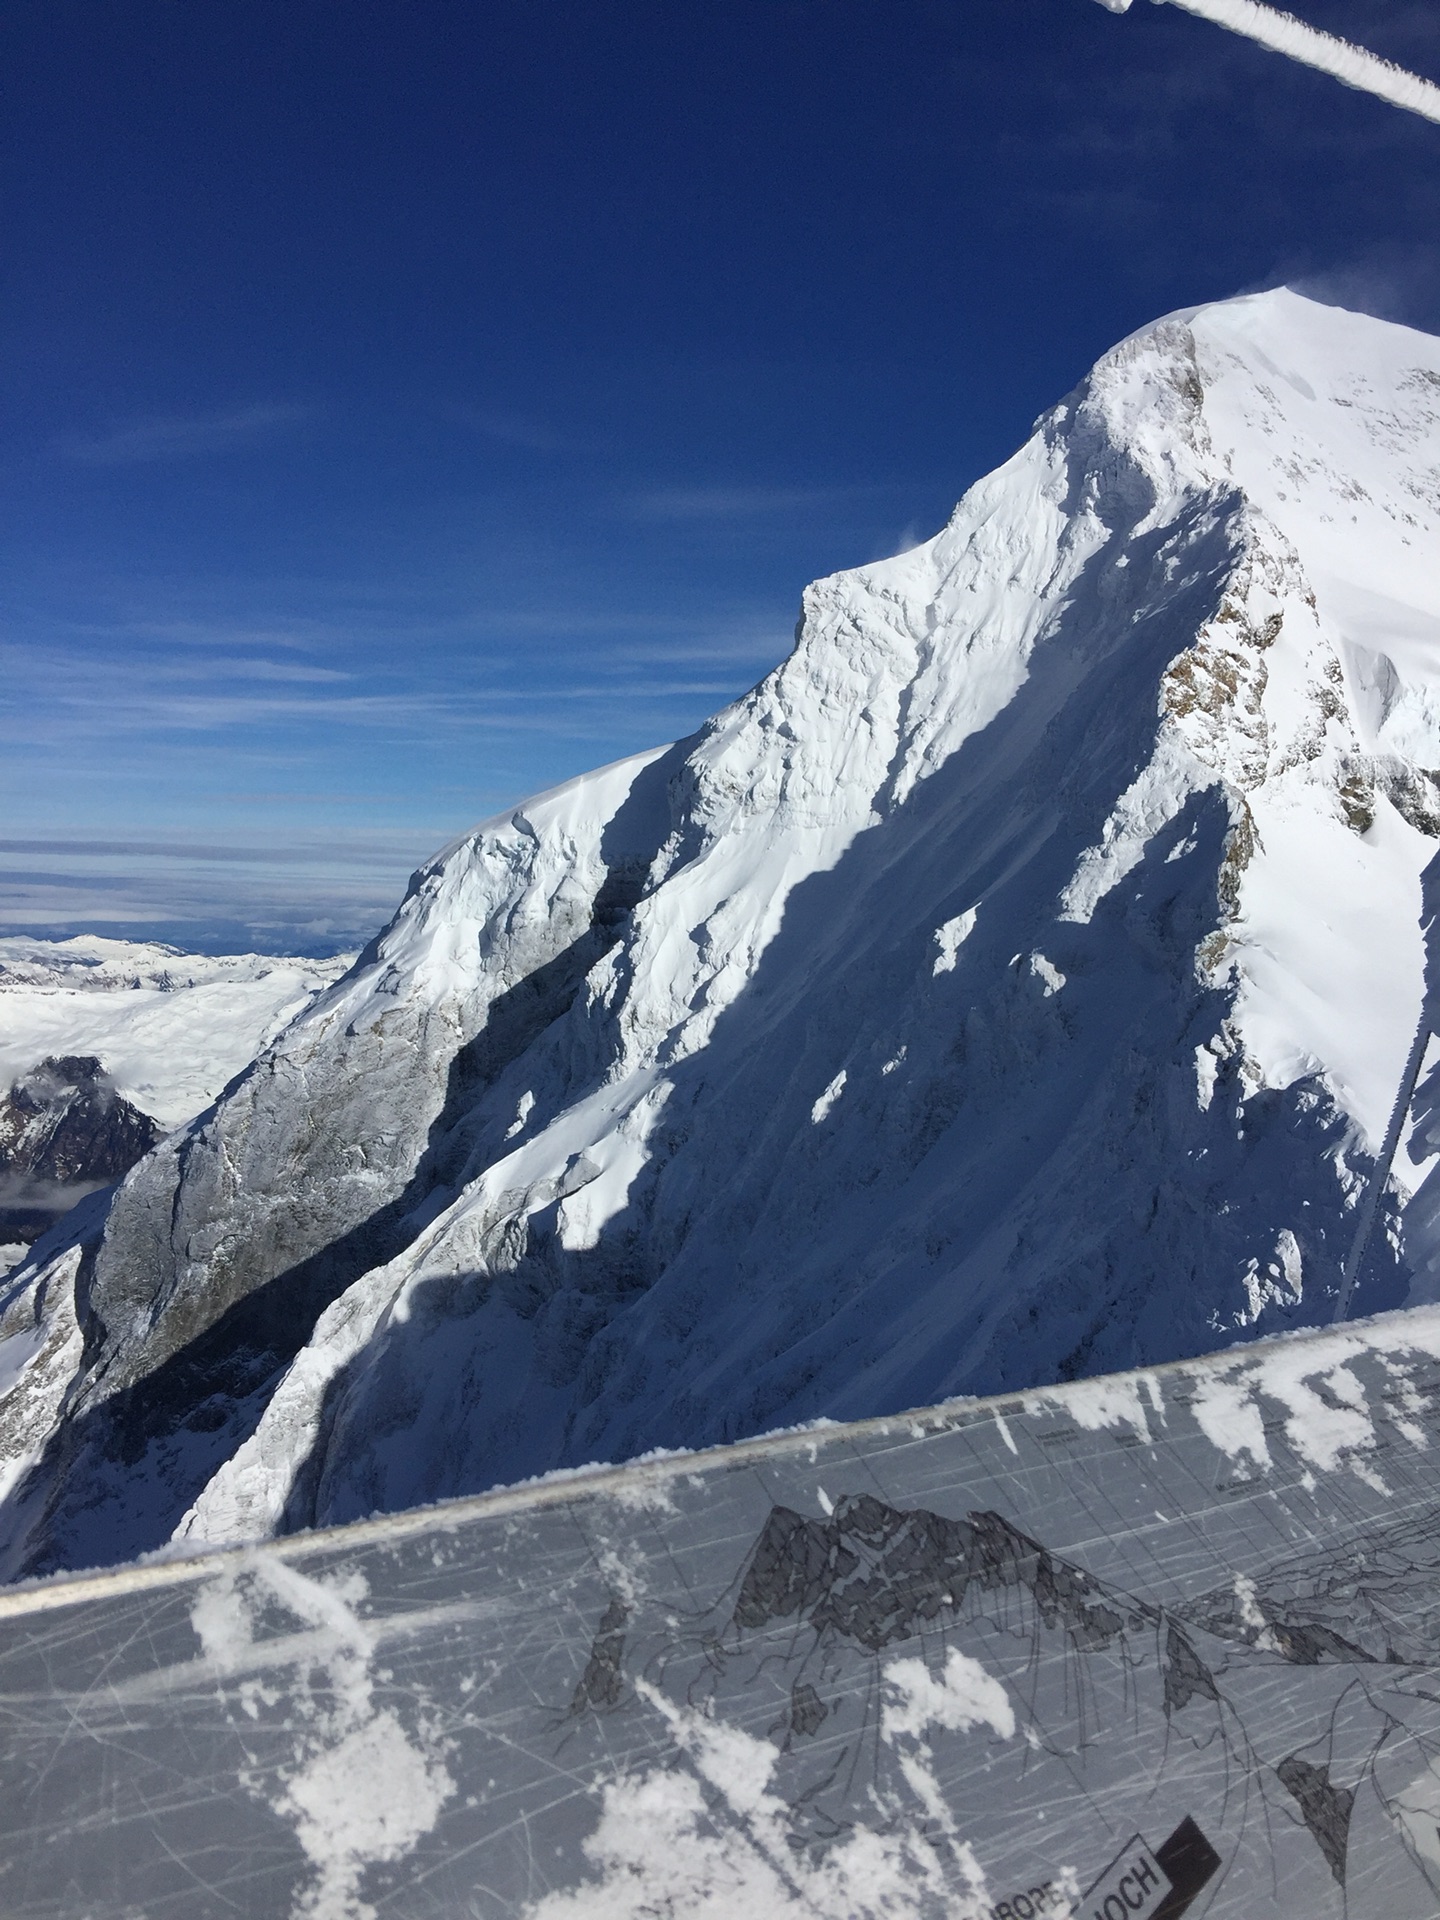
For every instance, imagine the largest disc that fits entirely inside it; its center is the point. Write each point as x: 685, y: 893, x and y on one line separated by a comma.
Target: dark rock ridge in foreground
x: 1015, y: 985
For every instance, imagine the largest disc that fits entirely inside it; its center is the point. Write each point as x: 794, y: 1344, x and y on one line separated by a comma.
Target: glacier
x: 1013, y: 987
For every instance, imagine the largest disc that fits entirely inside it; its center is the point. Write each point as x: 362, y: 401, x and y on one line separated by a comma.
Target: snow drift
x: 1014, y: 986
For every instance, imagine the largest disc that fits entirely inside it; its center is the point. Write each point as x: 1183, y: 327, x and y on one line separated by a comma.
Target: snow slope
x: 1013, y: 986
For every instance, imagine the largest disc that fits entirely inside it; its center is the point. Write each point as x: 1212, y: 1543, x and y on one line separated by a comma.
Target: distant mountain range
x: 107, y: 1044
x: 1013, y: 987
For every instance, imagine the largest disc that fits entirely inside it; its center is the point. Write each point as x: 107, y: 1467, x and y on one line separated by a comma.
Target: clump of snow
x: 360, y: 1790
x: 950, y: 937
x: 963, y: 1696
x: 1247, y: 1602
x: 1122, y: 1400
x: 1229, y: 1415
x: 1047, y: 973
x: 826, y: 1101
x: 707, y: 1835
x: 366, y: 1799
x: 1330, y: 1415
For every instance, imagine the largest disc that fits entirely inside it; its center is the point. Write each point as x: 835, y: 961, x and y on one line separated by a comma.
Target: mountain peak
x: 1012, y: 986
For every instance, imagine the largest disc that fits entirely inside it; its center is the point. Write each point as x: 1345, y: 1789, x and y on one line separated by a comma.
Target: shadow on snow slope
x: 1036, y: 1192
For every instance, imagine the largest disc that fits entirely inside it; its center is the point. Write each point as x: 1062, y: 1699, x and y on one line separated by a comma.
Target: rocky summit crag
x: 64, y: 1131
x: 1014, y: 986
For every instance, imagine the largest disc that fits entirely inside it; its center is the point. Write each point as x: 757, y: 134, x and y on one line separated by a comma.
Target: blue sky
x: 410, y: 403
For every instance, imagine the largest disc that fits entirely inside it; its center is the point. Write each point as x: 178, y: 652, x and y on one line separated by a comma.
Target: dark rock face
x: 601, y: 1684
x: 64, y: 1131
x: 1325, y: 1808
x: 876, y: 1574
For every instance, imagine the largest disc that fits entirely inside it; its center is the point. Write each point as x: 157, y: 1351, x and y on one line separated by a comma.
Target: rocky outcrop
x: 64, y: 1131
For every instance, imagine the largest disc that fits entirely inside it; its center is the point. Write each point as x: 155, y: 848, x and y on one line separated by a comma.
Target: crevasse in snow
x: 1012, y: 987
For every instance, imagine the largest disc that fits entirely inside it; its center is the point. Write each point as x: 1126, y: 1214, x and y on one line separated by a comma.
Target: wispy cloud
x: 112, y: 710
x: 312, y: 891
x: 738, y: 503
x: 750, y: 651
x: 329, y: 849
x: 1283, y: 33
x: 640, y: 638
x: 158, y: 437
x: 243, y: 667
x: 217, y: 633
x: 512, y: 429
x: 324, y: 910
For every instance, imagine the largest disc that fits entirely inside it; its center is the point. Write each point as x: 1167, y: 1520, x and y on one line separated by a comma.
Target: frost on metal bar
x: 1156, y: 1643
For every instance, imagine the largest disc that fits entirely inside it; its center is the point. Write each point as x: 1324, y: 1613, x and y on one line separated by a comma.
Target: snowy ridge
x: 1329, y: 1402
x: 654, y: 1117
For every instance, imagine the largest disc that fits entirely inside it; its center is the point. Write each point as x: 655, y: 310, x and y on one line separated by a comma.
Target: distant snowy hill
x: 171, y: 1028
x: 1014, y: 986
x: 141, y: 1037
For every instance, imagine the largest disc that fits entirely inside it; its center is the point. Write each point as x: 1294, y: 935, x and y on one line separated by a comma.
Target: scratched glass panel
x: 1160, y: 1644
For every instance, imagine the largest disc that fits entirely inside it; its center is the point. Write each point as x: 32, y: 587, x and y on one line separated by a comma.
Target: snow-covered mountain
x: 1014, y: 986
x: 64, y: 1132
